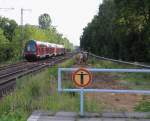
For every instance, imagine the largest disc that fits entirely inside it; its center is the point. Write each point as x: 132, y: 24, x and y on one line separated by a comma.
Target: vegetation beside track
x: 39, y: 92
x: 132, y: 80
x: 11, y: 61
x: 32, y: 92
x: 139, y: 81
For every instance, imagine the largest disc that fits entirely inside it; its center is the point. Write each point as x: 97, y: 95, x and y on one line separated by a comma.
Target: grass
x: 143, y: 106
x: 132, y: 80
x: 39, y: 92
x: 11, y: 61
x: 138, y: 81
x: 107, y: 64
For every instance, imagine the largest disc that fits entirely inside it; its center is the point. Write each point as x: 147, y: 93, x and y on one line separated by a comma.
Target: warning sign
x: 82, y: 77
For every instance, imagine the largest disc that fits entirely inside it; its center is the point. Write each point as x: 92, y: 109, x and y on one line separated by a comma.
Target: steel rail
x: 8, y: 80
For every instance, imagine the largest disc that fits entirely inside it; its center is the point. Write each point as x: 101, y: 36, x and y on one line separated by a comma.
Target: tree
x: 8, y: 26
x: 44, y: 21
x: 10, y: 34
x: 5, y: 47
x: 120, y: 30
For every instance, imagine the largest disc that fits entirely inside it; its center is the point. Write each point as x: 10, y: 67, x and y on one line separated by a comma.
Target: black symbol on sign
x: 82, y: 77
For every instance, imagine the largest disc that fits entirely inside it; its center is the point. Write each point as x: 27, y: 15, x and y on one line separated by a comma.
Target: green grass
x: 39, y: 92
x: 107, y: 64
x: 132, y: 80
x: 11, y: 61
x: 139, y: 81
x: 143, y: 106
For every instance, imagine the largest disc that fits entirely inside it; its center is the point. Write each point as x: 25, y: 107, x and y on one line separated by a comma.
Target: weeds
x: 37, y: 92
x: 40, y: 92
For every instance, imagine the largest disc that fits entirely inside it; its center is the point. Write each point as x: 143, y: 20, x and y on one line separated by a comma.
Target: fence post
x: 82, y: 102
x: 59, y: 80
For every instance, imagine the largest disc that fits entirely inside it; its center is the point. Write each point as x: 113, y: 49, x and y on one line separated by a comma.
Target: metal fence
x: 82, y: 90
x: 120, y: 61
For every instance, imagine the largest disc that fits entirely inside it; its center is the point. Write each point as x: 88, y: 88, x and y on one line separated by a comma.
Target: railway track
x: 9, y: 74
x: 11, y: 65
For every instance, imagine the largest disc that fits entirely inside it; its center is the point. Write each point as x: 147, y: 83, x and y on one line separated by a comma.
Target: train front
x: 30, y: 51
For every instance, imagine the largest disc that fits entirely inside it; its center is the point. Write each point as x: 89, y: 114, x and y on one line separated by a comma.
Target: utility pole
x: 21, y: 23
x: 21, y: 17
x: 22, y: 10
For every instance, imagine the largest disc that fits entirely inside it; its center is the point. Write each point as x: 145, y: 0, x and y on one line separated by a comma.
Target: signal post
x: 82, y: 78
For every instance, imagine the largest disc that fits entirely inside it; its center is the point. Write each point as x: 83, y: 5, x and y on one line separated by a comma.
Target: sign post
x: 82, y: 78
x: 81, y: 102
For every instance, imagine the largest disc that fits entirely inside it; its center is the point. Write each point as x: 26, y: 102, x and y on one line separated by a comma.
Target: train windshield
x: 31, y: 46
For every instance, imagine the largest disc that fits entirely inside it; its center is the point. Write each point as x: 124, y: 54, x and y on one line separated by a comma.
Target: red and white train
x: 37, y: 50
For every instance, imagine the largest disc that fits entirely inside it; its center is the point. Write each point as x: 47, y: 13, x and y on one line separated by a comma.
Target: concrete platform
x: 73, y: 116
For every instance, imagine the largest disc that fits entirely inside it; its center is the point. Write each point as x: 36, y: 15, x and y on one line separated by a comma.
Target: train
x: 35, y: 50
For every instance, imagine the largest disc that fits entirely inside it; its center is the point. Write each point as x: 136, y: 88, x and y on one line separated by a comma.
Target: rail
x: 9, y: 75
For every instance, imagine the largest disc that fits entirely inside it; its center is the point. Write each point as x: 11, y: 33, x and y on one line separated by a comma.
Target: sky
x: 68, y: 16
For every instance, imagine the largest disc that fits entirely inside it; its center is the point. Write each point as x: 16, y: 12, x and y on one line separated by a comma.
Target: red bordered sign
x: 82, y: 77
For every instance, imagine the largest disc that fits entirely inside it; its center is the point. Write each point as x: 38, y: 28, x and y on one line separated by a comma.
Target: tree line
x: 13, y: 36
x: 120, y: 30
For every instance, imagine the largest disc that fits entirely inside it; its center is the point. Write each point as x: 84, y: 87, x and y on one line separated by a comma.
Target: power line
x: 7, y: 8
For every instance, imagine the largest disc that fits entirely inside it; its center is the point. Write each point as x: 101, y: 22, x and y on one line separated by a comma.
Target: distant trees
x: 48, y: 35
x: 11, y: 36
x: 120, y: 30
x: 44, y: 21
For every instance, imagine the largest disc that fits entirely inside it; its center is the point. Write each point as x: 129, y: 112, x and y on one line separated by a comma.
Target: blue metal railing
x: 82, y: 90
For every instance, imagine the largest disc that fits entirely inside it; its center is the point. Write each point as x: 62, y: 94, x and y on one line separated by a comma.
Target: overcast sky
x: 69, y: 16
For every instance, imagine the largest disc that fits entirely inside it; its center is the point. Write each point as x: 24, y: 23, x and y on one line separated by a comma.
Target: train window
x: 31, y: 46
x: 42, y: 46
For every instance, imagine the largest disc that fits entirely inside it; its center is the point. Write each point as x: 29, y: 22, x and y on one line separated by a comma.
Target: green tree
x: 8, y: 26
x: 12, y: 41
x: 120, y: 30
x: 5, y: 47
x: 44, y: 21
